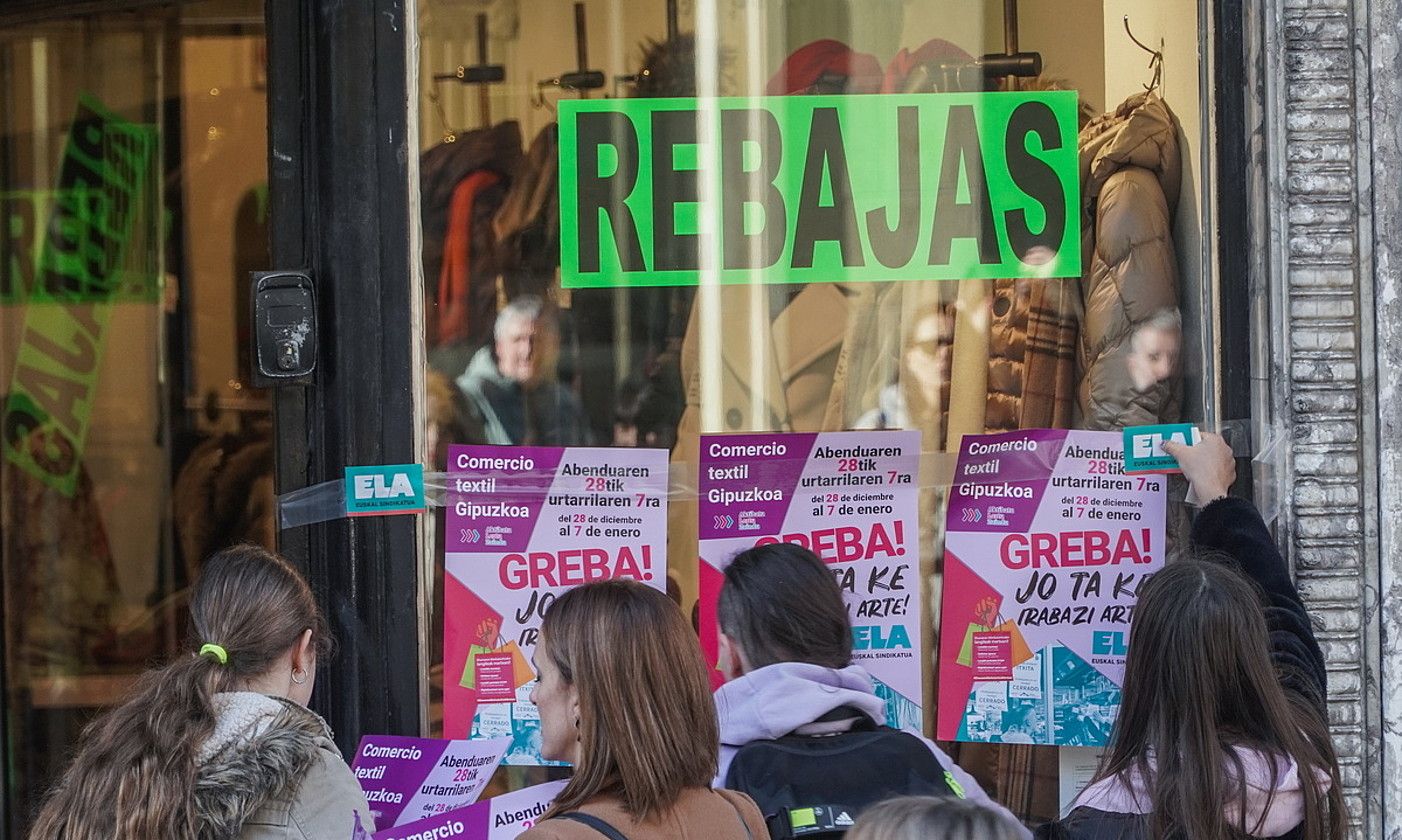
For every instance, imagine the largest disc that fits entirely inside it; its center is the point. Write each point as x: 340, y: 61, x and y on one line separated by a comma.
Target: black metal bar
x: 1010, y: 39
x: 484, y: 97
x: 340, y: 199
x: 672, y: 28
x: 1234, y: 245
x: 581, y: 38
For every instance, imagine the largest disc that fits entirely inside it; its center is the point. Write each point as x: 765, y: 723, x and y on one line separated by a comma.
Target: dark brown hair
x: 780, y: 603
x: 647, y: 722
x: 135, y: 771
x: 1199, y: 687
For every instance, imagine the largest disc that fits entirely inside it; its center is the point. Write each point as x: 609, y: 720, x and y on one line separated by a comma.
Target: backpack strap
x: 595, y: 823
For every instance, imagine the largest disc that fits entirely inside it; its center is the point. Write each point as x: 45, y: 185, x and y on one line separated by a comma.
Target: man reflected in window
x: 512, y: 386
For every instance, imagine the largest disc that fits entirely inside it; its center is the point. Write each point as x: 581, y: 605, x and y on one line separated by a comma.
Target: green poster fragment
x: 800, y: 189
x: 105, y: 170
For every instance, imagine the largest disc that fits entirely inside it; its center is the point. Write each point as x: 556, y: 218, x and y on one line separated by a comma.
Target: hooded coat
x: 788, y: 697
x: 270, y: 771
x: 1131, y: 174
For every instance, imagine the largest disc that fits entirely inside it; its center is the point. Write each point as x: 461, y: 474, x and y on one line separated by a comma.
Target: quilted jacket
x: 1130, y: 175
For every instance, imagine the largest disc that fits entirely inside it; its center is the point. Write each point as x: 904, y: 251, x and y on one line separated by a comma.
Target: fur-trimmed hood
x: 270, y: 769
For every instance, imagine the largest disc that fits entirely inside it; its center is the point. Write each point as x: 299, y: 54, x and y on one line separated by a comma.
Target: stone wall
x: 1316, y: 229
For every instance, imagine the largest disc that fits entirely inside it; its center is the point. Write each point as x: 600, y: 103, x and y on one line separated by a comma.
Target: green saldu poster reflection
x: 105, y: 171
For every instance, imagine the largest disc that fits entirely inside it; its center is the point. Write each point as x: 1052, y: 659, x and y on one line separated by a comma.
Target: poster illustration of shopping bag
x: 1020, y: 650
x: 966, y: 650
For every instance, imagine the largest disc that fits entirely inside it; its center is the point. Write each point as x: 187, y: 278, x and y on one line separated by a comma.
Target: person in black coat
x: 1222, y: 730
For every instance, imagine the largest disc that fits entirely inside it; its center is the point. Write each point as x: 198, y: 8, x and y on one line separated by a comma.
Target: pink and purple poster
x: 408, y: 779
x: 1047, y: 544
x: 499, y: 818
x: 853, y: 499
x: 524, y: 525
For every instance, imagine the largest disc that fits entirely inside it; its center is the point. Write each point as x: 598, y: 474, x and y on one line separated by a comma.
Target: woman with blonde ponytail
x: 218, y: 745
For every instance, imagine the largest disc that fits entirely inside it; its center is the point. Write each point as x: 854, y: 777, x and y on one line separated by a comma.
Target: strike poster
x: 407, y: 779
x: 525, y: 524
x: 499, y: 818
x: 850, y: 497
x: 1047, y: 545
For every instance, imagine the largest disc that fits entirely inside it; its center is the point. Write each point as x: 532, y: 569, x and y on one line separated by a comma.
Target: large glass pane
x: 658, y: 366
x: 132, y: 182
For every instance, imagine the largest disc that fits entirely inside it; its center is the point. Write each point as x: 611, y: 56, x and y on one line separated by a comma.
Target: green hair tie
x: 219, y: 653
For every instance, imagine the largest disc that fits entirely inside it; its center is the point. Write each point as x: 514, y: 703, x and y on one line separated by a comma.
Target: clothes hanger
x: 1155, y: 57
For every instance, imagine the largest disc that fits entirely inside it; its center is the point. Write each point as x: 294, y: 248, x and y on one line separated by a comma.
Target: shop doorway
x: 134, y: 444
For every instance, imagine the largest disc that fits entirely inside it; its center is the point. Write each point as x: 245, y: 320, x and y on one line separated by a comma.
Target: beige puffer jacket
x: 1130, y: 176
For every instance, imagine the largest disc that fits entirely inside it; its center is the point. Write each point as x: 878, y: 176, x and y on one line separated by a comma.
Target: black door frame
x: 338, y: 106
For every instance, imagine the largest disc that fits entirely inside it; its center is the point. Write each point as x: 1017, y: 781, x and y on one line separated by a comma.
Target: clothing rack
x: 581, y: 80
x: 481, y: 74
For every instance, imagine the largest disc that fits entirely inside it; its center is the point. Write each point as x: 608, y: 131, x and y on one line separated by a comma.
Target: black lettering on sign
x: 894, y: 246
x: 671, y: 186
x: 818, y: 222
x: 955, y: 219
x: 605, y: 193
x: 1035, y: 177
x: 741, y: 187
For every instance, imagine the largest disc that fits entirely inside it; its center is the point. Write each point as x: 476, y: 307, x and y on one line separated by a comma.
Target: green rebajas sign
x: 800, y: 189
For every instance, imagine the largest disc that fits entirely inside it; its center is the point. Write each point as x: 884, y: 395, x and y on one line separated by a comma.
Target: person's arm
x: 1235, y: 527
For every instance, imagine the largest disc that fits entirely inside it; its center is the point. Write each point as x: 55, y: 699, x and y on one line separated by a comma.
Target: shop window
x: 1120, y: 345
x: 133, y: 443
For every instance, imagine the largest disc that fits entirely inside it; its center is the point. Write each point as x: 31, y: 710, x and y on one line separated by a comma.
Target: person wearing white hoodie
x: 786, y: 654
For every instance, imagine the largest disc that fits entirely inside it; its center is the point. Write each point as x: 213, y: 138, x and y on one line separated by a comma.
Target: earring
x: 578, y: 736
x: 302, y: 680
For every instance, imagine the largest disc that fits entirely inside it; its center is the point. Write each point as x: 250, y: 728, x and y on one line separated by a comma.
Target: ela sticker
x: 380, y: 491
x: 1144, y: 447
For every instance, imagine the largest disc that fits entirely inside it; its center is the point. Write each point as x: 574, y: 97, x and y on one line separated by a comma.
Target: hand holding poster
x: 1047, y: 545
x: 524, y: 525
x: 851, y: 498
x: 499, y: 818
x: 408, y: 779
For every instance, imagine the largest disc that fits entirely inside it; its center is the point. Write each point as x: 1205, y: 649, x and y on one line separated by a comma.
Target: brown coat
x: 700, y: 814
x: 776, y: 378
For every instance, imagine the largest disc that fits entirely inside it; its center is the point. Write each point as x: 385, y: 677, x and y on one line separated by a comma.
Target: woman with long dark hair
x: 624, y: 697
x: 219, y: 744
x: 1222, y: 731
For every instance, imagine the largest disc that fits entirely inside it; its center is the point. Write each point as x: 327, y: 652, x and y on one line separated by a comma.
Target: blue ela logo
x: 1108, y: 643
x: 870, y: 638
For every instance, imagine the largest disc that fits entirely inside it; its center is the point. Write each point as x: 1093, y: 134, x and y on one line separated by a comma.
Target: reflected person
x: 511, y: 386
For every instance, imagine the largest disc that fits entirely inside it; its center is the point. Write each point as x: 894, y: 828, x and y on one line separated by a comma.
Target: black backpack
x: 815, y: 786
